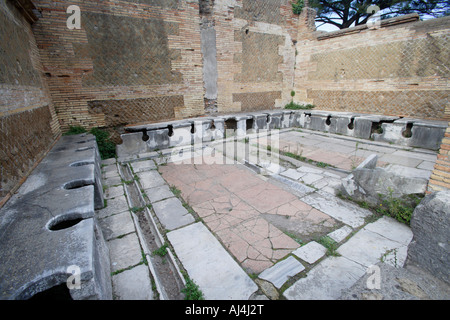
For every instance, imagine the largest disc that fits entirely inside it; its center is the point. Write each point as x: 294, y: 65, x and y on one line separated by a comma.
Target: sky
x: 330, y: 27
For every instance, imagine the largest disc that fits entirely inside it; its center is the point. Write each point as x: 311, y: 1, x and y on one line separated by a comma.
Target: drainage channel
x: 167, y: 278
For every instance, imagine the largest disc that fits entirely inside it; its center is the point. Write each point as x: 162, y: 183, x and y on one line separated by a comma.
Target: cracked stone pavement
x: 243, y: 209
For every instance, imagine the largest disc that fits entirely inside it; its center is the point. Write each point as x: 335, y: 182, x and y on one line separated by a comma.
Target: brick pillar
x: 440, y: 178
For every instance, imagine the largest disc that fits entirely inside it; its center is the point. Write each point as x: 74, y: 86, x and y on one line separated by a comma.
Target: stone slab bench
x: 48, y: 231
x: 403, y: 131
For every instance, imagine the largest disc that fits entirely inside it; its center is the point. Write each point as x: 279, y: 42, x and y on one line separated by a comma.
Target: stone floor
x: 294, y: 243
x: 347, y: 153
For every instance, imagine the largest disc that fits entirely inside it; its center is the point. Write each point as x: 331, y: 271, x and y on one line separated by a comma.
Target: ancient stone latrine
x: 146, y: 61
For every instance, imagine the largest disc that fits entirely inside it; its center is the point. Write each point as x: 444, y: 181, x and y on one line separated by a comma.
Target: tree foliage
x: 346, y: 13
x: 297, y: 6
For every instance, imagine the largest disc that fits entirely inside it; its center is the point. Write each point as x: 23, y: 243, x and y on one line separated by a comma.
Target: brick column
x: 440, y: 178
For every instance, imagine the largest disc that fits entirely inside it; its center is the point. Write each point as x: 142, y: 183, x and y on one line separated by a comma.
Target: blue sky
x: 330, y: 27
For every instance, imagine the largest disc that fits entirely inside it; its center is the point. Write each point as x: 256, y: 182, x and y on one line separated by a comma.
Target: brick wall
x: 440, y: 178
x: 142, y: 61
x: 255, y: 53
x: 399, y: 69
x: 28, y: 122
x: 131, y: 61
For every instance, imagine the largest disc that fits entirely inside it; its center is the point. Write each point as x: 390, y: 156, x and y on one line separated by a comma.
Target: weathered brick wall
x: 131, y: 61
x: 440, y: 178
x: 401, y: 69
x: 28, y: 123
x: 255, y: 53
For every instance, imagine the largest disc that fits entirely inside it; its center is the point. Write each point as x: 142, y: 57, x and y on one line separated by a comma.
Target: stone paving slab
x: 346, y: 212
x: 310, y: 178
x: 346, y: 153
x: 340, y: 234
x: 144, y: 165
x: 408, y: 172
x: 133, y: 284
x: 113, y: 192
x: 150, y: 179
x: 172, y: 214
x: 426, y: 165
x: 209, y: 265
x: 159, y: 193
x: 247, y: 213
x: 116, y: 205
x: 113, y: 181
x: 310, y: 252
x: 292, y: 173
x: 109, y: 161
x: 327, y: 280
x: 391, y: 229
x: 429, y: 156
x: 124, y: 252
x: 279, y: 273
x: 367, y: 247
x: 401, y: 160
x: 117, y: 225
x: 110, y: 173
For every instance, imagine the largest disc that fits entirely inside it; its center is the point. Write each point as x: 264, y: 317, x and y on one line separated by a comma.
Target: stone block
x: 393, y: 133
x: 430, y: 246
x: 311, y: 252
x: 279, y: 273
x: 286, y: 119
x: 157, y: 139
x: 260, y: 121
x: 363, y: 128
x: 274, y: 120
x: 218, y: 129
x: 369, y: 163
x: 296, y: 119
x: 50, y: 220
x: 427, y: 135
x: 366, y: 185
x: 132, y: 144
x: 397, y: 284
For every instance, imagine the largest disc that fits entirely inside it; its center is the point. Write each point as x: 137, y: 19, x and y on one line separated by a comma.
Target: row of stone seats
x: 48, y: 231
x: 157, y: 136
x: 403, y: 131
x: 398, y: 130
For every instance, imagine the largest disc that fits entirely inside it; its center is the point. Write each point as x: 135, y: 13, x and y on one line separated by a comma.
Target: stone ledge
x: 413, y: 17
x: 49, y: 225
